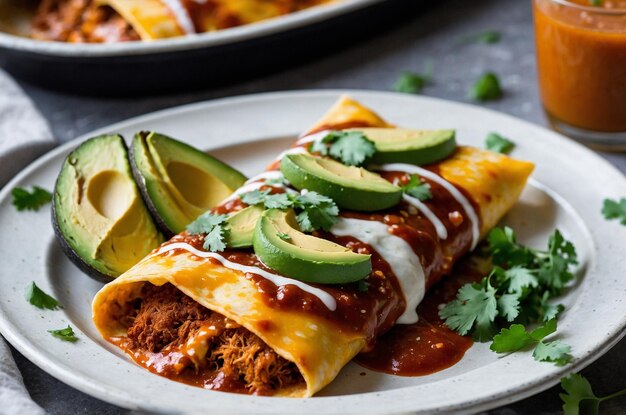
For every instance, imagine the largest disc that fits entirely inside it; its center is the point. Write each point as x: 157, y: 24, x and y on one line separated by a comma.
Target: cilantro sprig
x: 487, y: 37
x: 214, y: 227
x: 499, y: 144
x: 30, y: 200
x: 418, y: 189
x: 579, y: 398
x: 517, y: 290
x: 613, y: 209
x: 66, y: 334
x: 315, y: 211
x: 352, y: 148
x: 413, y: 82
x: 516, y: 337
x: 37, y: 297
x: 486, y: 88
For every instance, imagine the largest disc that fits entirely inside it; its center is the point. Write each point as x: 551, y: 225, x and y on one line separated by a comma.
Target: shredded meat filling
x: 166, y: 321
x: 80, y: 21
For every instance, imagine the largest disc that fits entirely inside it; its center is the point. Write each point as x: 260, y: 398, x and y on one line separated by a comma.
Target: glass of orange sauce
x: 581, y: 61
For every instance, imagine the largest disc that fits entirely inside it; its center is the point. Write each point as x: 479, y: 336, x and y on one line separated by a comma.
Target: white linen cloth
x: 24, y: 135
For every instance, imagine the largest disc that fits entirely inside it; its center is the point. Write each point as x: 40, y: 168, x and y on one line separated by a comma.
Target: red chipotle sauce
x: 427, y: 346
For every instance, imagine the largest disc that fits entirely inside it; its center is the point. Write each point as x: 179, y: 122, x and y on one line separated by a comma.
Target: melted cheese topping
x: 278, y: 280
x: 403, y: 261
x: 182, y: 15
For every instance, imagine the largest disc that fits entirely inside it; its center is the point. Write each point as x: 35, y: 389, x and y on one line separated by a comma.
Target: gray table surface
x: 374, y: 64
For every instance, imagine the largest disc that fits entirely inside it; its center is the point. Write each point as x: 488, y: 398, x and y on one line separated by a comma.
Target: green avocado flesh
x: 279, y: 243
x: 417, y: 147
x: 179, y: 182
x: 350, y: 187
x: 98, y: 214
x: 242, y: 225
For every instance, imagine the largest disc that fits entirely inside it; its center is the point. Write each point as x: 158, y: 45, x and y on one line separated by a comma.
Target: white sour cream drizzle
x: 278, y: 280
x: 295, y: 150
x: 467, y: 206
x: 266, y: 175
x: 442, y: 232
x: 253, y: 184
x: 312, y: 137
x: 182, y: 15
x: 397, y: 252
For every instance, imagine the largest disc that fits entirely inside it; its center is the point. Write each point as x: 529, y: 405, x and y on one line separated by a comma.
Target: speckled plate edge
x: 607, y: 241
x: 202, y: 40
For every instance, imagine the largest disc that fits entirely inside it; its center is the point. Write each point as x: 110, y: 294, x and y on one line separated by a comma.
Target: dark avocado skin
x: 75, y: 258
x: 141, y: 184
x: 65, y: 246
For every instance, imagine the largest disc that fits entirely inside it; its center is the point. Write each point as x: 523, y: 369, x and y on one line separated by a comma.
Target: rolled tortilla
x: 328, y: 325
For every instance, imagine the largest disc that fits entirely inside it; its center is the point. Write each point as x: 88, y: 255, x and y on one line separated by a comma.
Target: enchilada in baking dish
x: 97, y: 21
x: 278, y: 287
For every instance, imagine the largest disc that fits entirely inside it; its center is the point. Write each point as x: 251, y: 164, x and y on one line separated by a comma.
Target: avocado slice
x: 417, y: 147
x: 280, y: 244
x: 179, y: 182
x: 97, y: 212
x: 350, y: 187
x: 241, y: 226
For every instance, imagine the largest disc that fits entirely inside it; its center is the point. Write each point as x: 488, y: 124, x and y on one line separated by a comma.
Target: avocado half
x: 177, y: 181
x: 98, y: 214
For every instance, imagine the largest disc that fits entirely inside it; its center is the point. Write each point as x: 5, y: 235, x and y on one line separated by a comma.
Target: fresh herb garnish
x: 215, y: 229
x: 363, y: 286
x: 517, y: 290
x: 486, y: 88
x: 66, y: 334
x: 413, y: 82
x: 495, y: 142
x: 597, y: 2
x: 33, y: 200
x: 488, y: 36
x: 579, y: 398
x: 37, y: 297
x: 315, y: 211
x: 612, y: 209
x: 418, y: 189
x: 352, y: 148
x: 516, y: 337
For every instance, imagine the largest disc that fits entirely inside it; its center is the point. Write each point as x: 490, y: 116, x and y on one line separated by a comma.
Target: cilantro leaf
x: 254, y: 197
x: 487, y: 37
x: 214, y: 240
x: 278, y: 201
x: 511, y: 339
x: 476, y: 304
x: 413, y: 82
x: 410, y: 82
x: 597, y: 2
x: 316, y: 211
x: 417, y: 188
x: 520, y: 278
x: 33, y: 200
x: 351, y: 148
x: 66, y: 334
x: 612, y: 209
x: 544, y: 331
x: 556, y: 352
x: 579, y: 398
x: 215, y: 229
x: 37, y: 297
x: 508, y: 306
x: 486, y: 88
x: 497, y: 143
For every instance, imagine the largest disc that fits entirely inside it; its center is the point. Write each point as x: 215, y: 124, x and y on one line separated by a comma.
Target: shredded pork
x: 80, y: 21
x: 166, y: 319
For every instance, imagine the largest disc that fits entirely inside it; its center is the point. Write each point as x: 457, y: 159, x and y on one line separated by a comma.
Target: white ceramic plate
x: 566, y: 191
x: 202, y: 40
